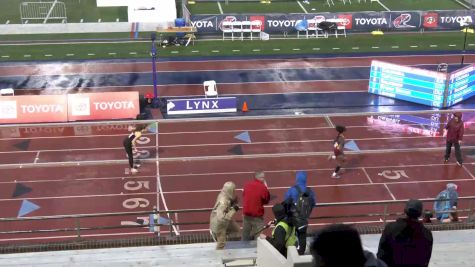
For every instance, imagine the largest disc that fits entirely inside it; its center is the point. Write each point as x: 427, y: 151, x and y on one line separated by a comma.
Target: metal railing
x: 78, y: 241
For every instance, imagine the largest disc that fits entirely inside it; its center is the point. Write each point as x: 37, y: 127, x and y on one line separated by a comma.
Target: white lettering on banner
x: 202, y: 24
x: 397, y: 174
x: 112, y: 127
x: 117, y: 105
x: 281, y: 23
x: 52, y: 108
x: 458, y: 19
x: 372, y: 21
x: 202, y: 104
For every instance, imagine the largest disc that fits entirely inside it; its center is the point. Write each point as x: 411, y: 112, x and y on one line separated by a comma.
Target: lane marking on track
x: 432, y: 45
x: 37, y: 157
x: 73, y: 179
x: 302, y: 7
x: 324, y: 186
x: 389, y: 191
x: 367, y: 176
x: 72, y: 150
x: 329, y: 121
x: 452, y: 45
x: 395, y: 46
x: 375, y: 47
x: 78, y: 196
x: 468, y: 171
x: 69, y: 55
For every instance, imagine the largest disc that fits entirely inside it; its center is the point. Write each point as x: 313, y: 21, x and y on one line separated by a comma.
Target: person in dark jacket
x: 339, y: 245
x: 406, y: 242
x: 293, y: 196
x: 255, y: 196
x: 283, y: 235
x: 454, y: 137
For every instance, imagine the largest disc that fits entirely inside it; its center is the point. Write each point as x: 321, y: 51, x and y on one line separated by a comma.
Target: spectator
x: 454, y: 137
x: 303, y: 199
x: 283, y: 235
x: 255, y: 196
x: 340, y: 245
x: 446, y: 204
x: 221, y: 222
x: 406, y: 242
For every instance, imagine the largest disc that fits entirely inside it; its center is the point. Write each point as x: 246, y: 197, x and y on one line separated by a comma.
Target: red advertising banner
x: 30, y: 109
x: 103, y: 106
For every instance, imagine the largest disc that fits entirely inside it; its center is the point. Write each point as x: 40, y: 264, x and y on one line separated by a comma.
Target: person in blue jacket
x: 292, y: 195
x: 446, y: 202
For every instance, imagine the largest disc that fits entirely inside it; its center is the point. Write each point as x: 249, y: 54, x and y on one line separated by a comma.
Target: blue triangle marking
x: 351, y: 145
x: 27, y: 207
x: 244, y: 136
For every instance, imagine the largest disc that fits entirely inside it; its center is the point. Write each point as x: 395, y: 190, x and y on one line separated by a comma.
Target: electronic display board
x: 461, y: 85
x: 407, y: 83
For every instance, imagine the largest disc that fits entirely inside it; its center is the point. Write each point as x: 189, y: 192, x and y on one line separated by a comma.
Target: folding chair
x: 237, y: 28
x: 340, y: 28
x: 256, y: 27
x: 246, y: 29
x: 227, y: 28
x: 312, y: 27
x: 210, y: 88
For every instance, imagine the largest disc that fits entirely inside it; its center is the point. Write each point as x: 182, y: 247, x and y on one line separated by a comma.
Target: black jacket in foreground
x: 405, y: 243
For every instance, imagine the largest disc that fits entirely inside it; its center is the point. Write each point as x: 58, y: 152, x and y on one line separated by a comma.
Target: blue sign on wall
x: 201, y: 105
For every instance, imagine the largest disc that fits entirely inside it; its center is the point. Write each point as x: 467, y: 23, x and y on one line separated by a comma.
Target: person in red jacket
x: 255, y: 196
x: 454, y: 137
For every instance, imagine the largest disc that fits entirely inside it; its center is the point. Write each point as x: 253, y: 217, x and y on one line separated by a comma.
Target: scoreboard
x: 407, y: 83
x: 461, y: 85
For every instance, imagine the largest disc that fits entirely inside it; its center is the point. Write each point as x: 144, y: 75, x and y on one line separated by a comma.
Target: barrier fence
x: 352, y: 21
x: 386, y: 211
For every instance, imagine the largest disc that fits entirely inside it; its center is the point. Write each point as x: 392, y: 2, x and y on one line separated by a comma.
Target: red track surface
x: 80, y: 169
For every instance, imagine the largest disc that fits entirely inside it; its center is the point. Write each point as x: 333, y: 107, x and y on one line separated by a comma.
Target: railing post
x: 385, y: 213
x: 470, y: 209
x: 78, y: 228
x: 170, y: 224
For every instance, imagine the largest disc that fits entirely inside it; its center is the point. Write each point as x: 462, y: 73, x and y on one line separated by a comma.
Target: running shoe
x: 336, y: 176
x: 134, y: 170
x: 459, y: 163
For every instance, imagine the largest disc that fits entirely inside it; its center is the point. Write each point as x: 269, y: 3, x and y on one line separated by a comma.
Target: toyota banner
x: 354, y: 21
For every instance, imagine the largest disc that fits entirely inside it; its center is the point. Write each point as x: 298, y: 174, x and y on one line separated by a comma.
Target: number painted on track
x: 143, y: 140
x: 139, y: 185
x: 142, y: 154
x: 133, y: 203
x: 393, y: 175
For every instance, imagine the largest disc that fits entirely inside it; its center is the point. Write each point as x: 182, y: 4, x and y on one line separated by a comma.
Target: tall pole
x: 464, y: 45
x: 153, y: 53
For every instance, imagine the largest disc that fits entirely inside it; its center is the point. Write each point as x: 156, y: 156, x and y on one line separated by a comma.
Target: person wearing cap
x: 255, y: 195
x: 446, y: 204
x: 338, y: 150
x: 454, y: 135
x: 283, y: 234
x: 406, y: 242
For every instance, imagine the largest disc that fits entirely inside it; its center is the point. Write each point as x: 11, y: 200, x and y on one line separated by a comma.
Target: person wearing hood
x: 221, y: 222
x: 283, y: 234
x: 406, y: 242
x: 340, y: 245
x: 454, y: 137
x: 300, y: 195
x: 446, y: 201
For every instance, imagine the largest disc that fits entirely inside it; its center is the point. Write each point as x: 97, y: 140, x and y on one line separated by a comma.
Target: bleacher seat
x: 227, y: 27
x: 256, y: 27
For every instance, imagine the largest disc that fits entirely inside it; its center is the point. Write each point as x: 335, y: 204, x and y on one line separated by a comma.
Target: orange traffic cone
x: 244, y: 107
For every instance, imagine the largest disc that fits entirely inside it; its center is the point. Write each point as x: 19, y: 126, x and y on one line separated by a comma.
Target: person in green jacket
x: 283, y: 234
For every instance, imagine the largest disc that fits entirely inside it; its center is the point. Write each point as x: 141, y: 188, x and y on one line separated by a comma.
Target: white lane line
x: 112, y: 53
x: 26, y: 55
x: 302, y: 7
x: 336, y: 48
x: 91, y: 54
x: 78, y: 196
x: 367, y: 176
x: 215, y: 51
x: 133, y: 53
x: 220, y: 8
x: 395, y: 46
x: 37, y: 157
x: 195, y: 51
x: 329, y: 122
x: 469, y: 173
x: 236, y: 50
x: 355, y: 48
x: 276, y: 49
x: 433, y: 45
x: 48, y: 55
x: 414, y: 46
x: 385, y: 7
x: 5, y: 56
x: 72, y: 149
x: 375, y: 47
x: 389, y: 191
x: 69, y: 55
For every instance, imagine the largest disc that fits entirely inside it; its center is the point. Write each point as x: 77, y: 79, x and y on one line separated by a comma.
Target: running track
x: 80, y: 169
x: 195, y: 161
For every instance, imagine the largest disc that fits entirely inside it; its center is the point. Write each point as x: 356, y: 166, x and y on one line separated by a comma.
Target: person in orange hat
x: 149, y: 98
x: 454, y: 137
